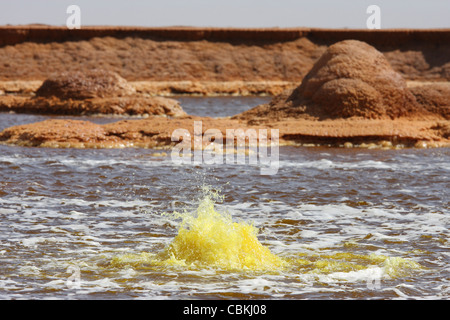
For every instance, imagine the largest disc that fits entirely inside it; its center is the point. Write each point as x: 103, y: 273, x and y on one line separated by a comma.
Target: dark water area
x: 352, y: 223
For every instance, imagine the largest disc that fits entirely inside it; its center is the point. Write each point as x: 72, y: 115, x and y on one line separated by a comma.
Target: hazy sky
x: 231, y: 13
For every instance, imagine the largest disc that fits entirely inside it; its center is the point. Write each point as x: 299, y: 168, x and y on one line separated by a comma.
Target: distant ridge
x: 10, y: 35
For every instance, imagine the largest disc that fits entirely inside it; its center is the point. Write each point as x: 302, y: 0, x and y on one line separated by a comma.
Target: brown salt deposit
x: 434, y: 97
x: 93, y: 92
x: 209, y: 54
x: 156, y: 132
x: 350, y: 97
x: 351, y: 79
x: 78, y: 85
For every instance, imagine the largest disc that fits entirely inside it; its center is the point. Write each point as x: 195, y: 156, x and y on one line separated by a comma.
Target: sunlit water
x: 124, y: 224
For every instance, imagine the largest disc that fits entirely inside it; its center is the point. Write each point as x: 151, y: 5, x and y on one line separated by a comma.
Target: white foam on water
x: 258, y: 284
x: 367, y: 276
x: 7, y: 211
x: 325, y: 164
x: 35, y: 241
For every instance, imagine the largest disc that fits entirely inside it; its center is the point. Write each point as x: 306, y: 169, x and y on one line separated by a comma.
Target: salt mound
x: 351, y: 79
x: 93, y: 92
x: 434, y: 98
x: 85, y: 85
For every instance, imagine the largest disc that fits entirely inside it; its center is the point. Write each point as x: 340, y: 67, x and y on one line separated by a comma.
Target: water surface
x: 351, y: 223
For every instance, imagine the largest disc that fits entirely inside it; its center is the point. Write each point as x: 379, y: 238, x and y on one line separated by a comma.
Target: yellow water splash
x: 207, y: 238
x: 210, y: 238
x: 393, y: 267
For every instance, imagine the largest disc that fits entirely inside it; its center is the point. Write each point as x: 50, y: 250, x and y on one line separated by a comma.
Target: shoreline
x: 134, y: 130
x: 190, y: 88
x: 173, y: 88
x: 156, y: 132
